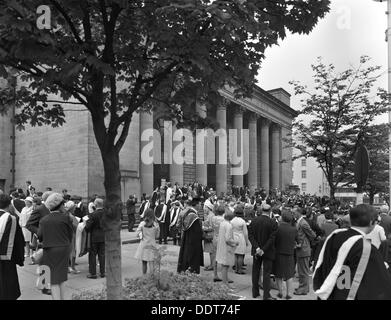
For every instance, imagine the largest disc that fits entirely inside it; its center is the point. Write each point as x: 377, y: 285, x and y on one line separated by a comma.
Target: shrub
x: 184, y: 286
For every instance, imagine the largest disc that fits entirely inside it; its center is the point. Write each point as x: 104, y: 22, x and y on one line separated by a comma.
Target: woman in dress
x: 70, y: 207
x: 284, y: 264
x: 226, y: 245
x: 148, y: 231
x: 208, y: 232
x: 214, y: 222
x: 56, y: 232
x: 241, y: 236
x: 23, y: 218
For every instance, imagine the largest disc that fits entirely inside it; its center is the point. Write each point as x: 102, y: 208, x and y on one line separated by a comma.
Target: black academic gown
x: 191, y: 255
x: 376, y: 282
x: 9, y: 282
x: 164, y: 224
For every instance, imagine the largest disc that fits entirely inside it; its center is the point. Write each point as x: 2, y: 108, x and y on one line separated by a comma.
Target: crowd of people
x: 286, y: 232
x: 49, y: 229
x: 289, y: 234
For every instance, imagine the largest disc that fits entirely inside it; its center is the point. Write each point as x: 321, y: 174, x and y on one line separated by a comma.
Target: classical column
x: 176, y: 170
x: 275, y: 156
x: 221, y: 163
x: 146, y: 170
x: 253, y: 153
x: 202, y: 168
x: 265, y: 161
x: 237, y: 180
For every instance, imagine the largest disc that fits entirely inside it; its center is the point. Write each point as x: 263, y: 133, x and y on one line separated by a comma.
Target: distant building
x: 309, y: 176
x: 68, y: 157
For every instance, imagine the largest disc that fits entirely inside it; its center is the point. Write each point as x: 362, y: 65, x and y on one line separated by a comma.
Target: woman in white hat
x: 23, y: 218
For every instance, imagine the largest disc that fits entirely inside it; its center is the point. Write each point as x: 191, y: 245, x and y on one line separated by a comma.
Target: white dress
x: 240, y: 234
x: 225, y: 254
x: 23, y: 219
x: 145, y: 251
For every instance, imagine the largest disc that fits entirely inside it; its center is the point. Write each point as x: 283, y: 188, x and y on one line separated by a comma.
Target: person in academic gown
x: 11, y: 253
x: 375, y: 282
x: 162, y: 214
x: 191, y: 255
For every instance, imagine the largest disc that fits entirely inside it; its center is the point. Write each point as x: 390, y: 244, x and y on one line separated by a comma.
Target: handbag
x: 37, y: 256
x: 207, y: 236
x: 34, y: 242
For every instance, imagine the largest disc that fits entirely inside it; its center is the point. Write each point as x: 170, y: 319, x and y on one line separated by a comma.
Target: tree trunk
x: 371, y: 198
x: 332, y: 192
x: 112, y: 223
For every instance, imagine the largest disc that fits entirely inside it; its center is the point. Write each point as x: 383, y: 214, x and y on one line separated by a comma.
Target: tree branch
x: 69, y: 21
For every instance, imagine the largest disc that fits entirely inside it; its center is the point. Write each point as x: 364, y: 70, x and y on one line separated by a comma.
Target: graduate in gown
x: 11, y: 251
x: 162, y: 214
x: 347, y: 255
x: 191, y: 255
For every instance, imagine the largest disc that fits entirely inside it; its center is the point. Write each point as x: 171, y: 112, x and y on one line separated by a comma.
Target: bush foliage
x: 170, y: 286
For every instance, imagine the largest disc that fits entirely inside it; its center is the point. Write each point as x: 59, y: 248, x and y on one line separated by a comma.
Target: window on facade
x: 304, y: 174
x: 303, y: 162
x: 303, y: 187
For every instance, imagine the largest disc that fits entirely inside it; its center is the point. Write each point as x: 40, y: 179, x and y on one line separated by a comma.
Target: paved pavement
x: 131, y: 268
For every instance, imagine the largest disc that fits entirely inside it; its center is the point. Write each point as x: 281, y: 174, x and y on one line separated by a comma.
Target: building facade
x: 68, y: 157
x: 309, y: 177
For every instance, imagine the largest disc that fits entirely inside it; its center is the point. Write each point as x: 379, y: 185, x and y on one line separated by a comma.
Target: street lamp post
x: 389, y: 88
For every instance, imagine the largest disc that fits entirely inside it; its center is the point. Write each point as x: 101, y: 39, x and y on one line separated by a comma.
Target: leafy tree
x: 375, y: 140
x: 336, y: 115
x: 117, y: 57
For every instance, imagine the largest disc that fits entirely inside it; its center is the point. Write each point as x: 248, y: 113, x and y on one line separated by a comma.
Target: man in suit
x: 131, y: 211
x: 28, y: 190
x: 38, y: 213
x: 262, y: 231
x: 385, y: 220
x: 303, y: 251
x: 94, y: 226
x: 359, y: 271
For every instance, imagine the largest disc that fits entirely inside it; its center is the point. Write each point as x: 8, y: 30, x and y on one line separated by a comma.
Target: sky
x: 351, y: 29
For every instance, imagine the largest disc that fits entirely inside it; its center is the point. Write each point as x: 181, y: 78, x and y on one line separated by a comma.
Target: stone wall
x: 5, y: 147
x: 55, y: 157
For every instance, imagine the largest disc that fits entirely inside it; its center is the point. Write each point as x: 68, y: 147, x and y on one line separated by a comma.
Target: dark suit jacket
x: 262, y: 232
x: 286, y: 238
x: 386, y: 224
x: 37, y: 214
x: 94, y: 226
x: 55, y: 230
x: 306, y: 235
x: 131, y: 206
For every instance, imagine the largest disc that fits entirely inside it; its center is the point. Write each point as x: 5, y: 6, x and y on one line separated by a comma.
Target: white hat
x: 265, y: 207
x: 30, y: 199
x: 384, y: 209
x: 69, y: 206
x: 54, y: 200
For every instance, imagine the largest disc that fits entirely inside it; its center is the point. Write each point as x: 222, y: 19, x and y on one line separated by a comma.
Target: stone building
x: 68, y: 157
